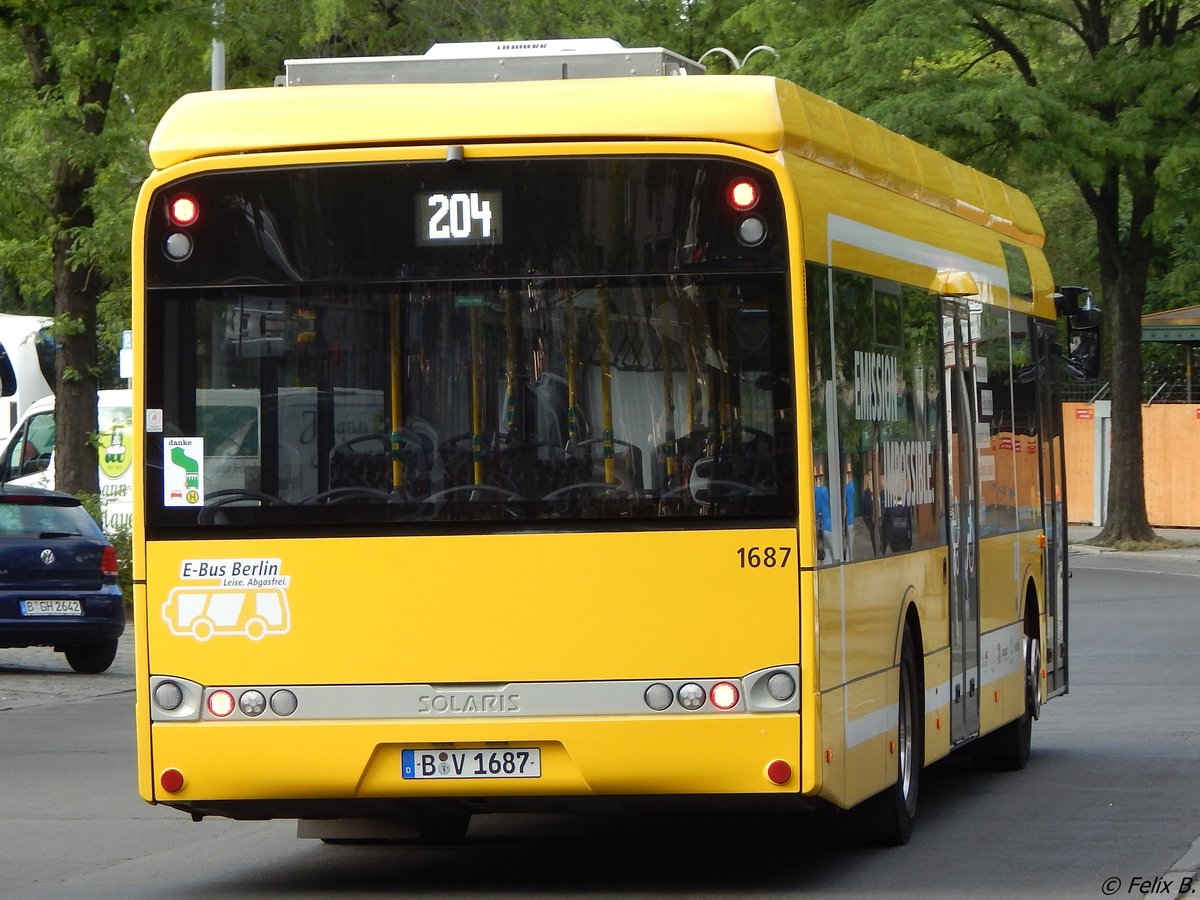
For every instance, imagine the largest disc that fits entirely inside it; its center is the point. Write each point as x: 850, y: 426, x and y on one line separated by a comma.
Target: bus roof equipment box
x: 493, y: 61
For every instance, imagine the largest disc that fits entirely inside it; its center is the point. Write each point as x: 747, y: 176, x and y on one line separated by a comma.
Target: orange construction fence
x: 1170, y: 439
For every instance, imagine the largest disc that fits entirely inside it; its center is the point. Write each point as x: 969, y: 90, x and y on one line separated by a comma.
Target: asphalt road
x: 1109, y: 805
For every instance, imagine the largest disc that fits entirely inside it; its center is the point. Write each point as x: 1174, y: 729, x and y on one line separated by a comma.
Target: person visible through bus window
x: 849, y: 497
x: 824, y: 516
x: 895, y: 519
x: 868, y: 511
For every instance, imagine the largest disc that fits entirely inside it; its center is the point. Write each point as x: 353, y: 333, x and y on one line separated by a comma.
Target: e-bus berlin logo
x: 244, y: 597
x: 183, y: 471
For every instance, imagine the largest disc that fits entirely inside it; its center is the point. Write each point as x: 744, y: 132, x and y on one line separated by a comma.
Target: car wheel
x: 91, y: 659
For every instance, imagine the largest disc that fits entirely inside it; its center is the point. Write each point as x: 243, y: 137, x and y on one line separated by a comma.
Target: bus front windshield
x: 466, y: 391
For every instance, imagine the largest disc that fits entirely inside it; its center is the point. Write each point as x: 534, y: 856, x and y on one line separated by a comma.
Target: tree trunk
x: 76, y: 464
x: 1126, y: 518
x: 1124, y: 270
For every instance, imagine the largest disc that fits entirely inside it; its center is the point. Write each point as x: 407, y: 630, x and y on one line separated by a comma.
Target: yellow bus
x: 559, y: 427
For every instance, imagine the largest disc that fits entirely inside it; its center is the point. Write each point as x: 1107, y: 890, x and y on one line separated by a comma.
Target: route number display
x: 459, y: 217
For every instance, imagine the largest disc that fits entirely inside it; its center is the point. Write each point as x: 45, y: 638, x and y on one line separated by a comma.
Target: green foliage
x: 122, y: 541
x: 1101, y: 96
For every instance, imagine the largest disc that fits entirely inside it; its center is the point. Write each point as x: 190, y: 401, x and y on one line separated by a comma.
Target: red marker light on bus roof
x: 183, y: 210
x: 743, y: 194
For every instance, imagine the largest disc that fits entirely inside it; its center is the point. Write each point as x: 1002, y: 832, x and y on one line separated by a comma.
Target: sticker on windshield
x: 183, y: 471
x: 245, y: 597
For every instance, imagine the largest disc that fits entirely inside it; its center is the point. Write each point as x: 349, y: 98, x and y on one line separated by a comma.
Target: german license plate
x: 473, y: 762
x: 51, y: 608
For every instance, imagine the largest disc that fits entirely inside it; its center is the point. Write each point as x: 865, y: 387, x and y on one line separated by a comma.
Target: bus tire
x: 892, y: 813
x: 1007, y: 748
x: 91, y: 659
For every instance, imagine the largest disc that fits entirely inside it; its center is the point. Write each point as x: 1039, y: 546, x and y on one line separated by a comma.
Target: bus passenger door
x: 959, y: 400
x: 1054, y: 508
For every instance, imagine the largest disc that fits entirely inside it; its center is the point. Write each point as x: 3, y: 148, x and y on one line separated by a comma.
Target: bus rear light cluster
x: 182, y: 212
x: 743, y: 195
x: 722, y: 695
x: 767, y: 690
x: 252, y: 703
x: 177, y: 699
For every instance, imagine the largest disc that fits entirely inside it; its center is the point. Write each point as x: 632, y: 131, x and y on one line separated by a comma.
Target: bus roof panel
x: 758, y: 112
x: 738, y: 110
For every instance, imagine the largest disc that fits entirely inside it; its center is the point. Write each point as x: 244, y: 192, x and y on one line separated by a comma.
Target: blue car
x: 58, y: 579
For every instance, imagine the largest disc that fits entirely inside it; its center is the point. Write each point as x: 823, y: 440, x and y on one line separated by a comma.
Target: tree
x: 82, y: 85
x: 1101, y: 92
x: 57, y: 161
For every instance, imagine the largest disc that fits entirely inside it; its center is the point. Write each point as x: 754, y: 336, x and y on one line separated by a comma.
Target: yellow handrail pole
x: 606, y: 442
x: 668, y: 352
x: 476, y: 404
x: 396, y: 349
x: 723, y: 404
x: 572, y: 412
x: 693, y: 376
x: 510, y: 361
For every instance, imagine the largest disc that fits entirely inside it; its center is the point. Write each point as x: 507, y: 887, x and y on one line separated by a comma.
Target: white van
x: 28, y: 455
